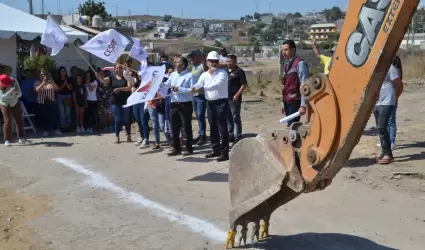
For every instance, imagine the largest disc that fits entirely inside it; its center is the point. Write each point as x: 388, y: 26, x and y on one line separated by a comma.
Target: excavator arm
x: 273, y: 168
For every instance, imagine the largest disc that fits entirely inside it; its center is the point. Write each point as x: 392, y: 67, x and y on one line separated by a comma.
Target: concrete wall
x: 8, y: 54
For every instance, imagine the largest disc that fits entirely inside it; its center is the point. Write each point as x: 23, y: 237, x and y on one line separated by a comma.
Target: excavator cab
x: 273, y: 168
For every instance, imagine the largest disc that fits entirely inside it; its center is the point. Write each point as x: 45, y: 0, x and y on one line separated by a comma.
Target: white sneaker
x: 58, y: 132
x: 378, y: 145
x: 145, y: 144
x: 45, y: 133
x: 24, y: 141
x: 82, y: 130
x: 139, y: 142
x: 78, y: 130
x: 7, y: 143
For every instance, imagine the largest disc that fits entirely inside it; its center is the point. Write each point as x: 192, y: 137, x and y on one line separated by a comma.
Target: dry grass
x: 413, y: 65
x: 264, y: 83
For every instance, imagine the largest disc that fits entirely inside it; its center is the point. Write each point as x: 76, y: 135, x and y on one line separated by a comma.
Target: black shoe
x: 223, y: 158
x: 174, y: 152
x: 196, y: 140
x: 186, y: 153
x: 232, y: 139
x: 212, y: 155
x: 202, y: 140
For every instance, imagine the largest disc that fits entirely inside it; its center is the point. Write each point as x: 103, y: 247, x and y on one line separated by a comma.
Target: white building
x: 321, y: 31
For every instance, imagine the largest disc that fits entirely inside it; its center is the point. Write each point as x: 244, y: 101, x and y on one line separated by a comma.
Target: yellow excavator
x: 273, y: 168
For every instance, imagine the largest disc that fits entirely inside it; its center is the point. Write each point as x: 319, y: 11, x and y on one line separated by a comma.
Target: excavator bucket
x: 275, y: 167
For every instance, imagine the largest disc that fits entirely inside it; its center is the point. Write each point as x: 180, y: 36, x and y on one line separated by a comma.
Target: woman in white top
x: 91, y: 109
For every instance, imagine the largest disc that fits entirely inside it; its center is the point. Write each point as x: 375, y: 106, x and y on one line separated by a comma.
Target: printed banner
x: 150, y: 85
x: 108, y: 45
x: 53, y: 37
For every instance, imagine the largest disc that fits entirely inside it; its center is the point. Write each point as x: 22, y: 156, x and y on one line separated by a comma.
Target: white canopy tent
x: 29, y: 27
x: 14, y: 22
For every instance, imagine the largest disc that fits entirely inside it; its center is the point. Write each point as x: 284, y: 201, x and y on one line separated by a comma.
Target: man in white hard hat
x: 214, y: 82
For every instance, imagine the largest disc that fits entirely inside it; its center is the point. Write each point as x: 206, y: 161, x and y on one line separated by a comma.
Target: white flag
x: 108, y: 45
x: 53, y: 36
x: 137, y: 51
x: 143, y: 67
x: 148, y: 87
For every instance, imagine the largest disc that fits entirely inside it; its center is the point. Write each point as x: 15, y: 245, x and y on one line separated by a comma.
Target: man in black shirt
x: 237, y: 85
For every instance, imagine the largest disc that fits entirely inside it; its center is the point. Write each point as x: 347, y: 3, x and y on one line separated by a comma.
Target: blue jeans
x: 392, y: 126
x: 200, y: 108
x: 121, y: 117
x: 234, y: 118
x: 382, y: 116
x: 142, y: 120
x: 64, y: 111
x: 158, y: 123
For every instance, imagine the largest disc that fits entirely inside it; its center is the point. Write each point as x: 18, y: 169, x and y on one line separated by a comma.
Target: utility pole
x: 116, y: 10
x: 413, y: 31
x: 42, y: 7
x: 30, y: 7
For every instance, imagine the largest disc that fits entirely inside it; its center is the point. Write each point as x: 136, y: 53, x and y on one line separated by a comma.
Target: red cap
x: 5, y: 80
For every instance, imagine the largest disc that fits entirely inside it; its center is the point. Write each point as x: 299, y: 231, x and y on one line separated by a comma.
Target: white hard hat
x: 213, y: 55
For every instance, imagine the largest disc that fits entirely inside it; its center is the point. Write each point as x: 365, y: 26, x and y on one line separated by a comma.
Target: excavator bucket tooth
x: 255, y: 236
x: 258, y: 175
x: 231, y: 235
x: 244, y: 234
x: 264, y: 230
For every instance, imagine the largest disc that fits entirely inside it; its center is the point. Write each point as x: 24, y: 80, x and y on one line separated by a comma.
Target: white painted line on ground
x: 194, y: 224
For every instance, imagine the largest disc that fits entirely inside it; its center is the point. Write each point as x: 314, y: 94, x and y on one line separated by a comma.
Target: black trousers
x: 382, y: 115
x: 90, y: 114
x: 291, y: 108
x: 217, y: 118
x: 181, y: 117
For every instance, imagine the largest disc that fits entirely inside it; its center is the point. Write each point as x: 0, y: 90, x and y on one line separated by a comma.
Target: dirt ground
x: 51, y: 204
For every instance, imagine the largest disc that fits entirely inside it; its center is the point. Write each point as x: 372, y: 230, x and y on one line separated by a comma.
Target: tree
x: 242, y: 19
x: 333, y: 37
x: 91, y: 8
x: 297, y: 15
x: 167, y: 18
x: 257, y: 16
x: 39, y: 62
x: 217, y: 43
x: 333, y: 14
x: 260, y: 25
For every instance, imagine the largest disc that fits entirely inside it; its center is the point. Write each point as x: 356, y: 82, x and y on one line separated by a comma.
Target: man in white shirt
x: 214, y: 82
x: 181, y: 81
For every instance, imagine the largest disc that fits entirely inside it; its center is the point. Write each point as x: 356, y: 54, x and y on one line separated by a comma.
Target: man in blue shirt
x: 181, y: 109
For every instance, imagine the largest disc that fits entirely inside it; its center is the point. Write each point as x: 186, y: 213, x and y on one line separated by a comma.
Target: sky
x: 216, y: 9
x: 222, y: 9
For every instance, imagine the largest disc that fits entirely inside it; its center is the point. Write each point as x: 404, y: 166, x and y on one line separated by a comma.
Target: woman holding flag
x: 121, y: 90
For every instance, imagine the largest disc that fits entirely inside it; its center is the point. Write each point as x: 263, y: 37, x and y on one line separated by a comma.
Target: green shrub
x: 40, y: 62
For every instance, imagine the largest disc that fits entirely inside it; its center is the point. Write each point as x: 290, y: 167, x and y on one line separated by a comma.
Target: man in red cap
x: 9, y: 103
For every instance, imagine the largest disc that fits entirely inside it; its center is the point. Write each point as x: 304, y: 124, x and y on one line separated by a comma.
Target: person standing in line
x: 181, y: 106
x: 295, y: 71
x: 79, y: 93
x: 29, y: 97
x: 325, y: 60
x: 121, y: 90
x: 64, y: 99
x: 199, y: 101
x: 237, y: 85
x: 104, y: 97
x: 383, y: 109
x: 46, y: 98
x: 139, y: 114
x: 214, y: 82
x: 91, y: 89
x: 10, y: 93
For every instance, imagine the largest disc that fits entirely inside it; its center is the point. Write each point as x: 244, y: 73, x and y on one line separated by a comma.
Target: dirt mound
x: 15, y: 210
